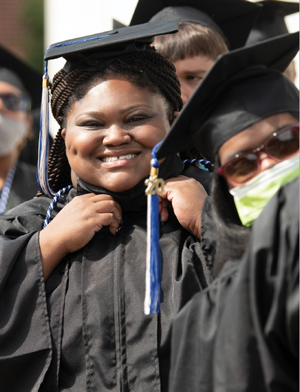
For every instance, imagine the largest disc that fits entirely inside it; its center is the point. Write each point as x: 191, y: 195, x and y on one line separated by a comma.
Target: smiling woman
x: 108, y: 139
x: 81, y: 277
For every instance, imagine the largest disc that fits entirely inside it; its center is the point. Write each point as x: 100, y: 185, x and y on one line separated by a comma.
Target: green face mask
x: 250, y: 199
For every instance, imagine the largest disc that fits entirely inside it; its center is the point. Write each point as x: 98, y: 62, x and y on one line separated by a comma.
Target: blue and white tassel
x: 42, y: 165
x: 58, y: 196
x: 155, y: 186
x: 202, y: 163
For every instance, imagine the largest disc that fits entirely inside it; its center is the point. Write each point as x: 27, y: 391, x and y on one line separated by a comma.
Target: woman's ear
x: 63, y: 133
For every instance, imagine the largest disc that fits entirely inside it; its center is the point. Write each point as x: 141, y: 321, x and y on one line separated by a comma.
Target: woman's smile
x: 119, y: 160
x: 110, y: 133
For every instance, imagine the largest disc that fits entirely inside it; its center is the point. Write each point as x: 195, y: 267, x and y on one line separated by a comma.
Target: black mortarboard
x: 243, y: 87
x: 232, y: 19
x: 270, y: 22
x: 14, y: 71
x: 85, y: 51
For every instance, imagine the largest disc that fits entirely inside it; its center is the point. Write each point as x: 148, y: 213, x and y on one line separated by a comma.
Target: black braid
x: 147, y: 69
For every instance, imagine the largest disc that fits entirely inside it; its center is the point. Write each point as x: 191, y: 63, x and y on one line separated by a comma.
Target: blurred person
x: 17, y: 91
x: 207, y: 29
x: 242, y: 333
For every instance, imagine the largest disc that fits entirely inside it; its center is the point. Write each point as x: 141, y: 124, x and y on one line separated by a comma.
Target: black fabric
x: 242, y: 333
x: 209, y: 234
x: 112, y: 43
x: 270, y: 21
x: 24, y: 185
x: 13, y: 70
x: 232, y: 19
x: 247, y: 102
x: 84, y: 329
x: 190, y: 14
x: 12, y: 78
x: 243, y: 86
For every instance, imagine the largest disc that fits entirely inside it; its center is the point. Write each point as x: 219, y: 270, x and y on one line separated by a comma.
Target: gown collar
x: 134, y: 199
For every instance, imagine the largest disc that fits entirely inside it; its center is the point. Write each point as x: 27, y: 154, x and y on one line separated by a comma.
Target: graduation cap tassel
x: 153, y: 260
x: 42, y: 166
x: 58, y: 197
x: 202, y: 163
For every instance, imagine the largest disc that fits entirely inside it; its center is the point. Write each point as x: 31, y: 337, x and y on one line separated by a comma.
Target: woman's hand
x: 75, y: 225
x: 187, y: 197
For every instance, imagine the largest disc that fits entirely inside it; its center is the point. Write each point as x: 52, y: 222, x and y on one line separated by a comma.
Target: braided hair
x: 147, y: 69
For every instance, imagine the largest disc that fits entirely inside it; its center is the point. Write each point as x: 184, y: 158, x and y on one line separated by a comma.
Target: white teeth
x: 129, y: 156
x: 111, y: 159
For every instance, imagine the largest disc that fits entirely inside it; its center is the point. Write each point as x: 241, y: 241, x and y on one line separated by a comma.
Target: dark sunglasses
x: 281, y: 145
x: 15, y: 103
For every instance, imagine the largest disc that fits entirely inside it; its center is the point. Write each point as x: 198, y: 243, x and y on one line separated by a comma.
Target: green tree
x: 33, y: 18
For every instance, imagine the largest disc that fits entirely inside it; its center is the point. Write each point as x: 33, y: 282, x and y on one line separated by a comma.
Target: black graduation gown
x: 242, y: 333
x: 84, y: 329
x: 24, y: 186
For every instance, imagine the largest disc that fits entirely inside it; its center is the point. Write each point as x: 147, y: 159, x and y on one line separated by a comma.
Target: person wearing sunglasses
x: 242, y: 333
x: 17, y: 178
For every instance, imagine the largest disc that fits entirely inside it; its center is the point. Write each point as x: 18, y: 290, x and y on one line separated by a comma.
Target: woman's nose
x: 185, y: 90
x: 115, y: 136
x: 184, y: 94
x: 266, y: 162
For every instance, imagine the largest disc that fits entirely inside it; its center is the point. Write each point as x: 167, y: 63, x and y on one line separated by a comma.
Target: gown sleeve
x: 242, y: 332
x: 207, y: 226
x: 193, y: 334
x: 258, y: 339
x: 25, y: 342
x: 208, y: 234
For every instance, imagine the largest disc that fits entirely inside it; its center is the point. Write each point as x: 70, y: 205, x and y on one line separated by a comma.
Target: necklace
x: 6, y: 188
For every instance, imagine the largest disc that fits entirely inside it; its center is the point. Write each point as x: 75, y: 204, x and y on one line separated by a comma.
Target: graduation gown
x: 24, y: 185
x: 242, y: 333
x: 84, y: 329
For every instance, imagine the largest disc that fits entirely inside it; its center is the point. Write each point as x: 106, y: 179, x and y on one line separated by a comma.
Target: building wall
x: 12, y: 27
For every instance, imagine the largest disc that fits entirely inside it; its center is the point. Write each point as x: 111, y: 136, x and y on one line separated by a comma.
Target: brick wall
x: 11, y: 27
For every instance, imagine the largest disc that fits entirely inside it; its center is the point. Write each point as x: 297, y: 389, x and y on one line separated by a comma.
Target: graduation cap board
x: 112, y: 43
x: 232, y: 19
x: 243, y: 87
x: 16, y: 72
x: 270, y: 22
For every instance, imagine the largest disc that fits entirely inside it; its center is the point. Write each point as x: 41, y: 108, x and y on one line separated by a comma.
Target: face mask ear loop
x: 42, y: 165
x: 153, y: 259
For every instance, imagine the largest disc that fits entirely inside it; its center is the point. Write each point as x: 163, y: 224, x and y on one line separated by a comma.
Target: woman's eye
x: 92, y: 124
x: 137, y: 119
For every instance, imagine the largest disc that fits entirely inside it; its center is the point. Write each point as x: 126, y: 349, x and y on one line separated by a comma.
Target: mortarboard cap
x: 243, y: 87
x: 16, y: 72
x: 85, y: 51
x: 270, y: 22
x: 232, y: 19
